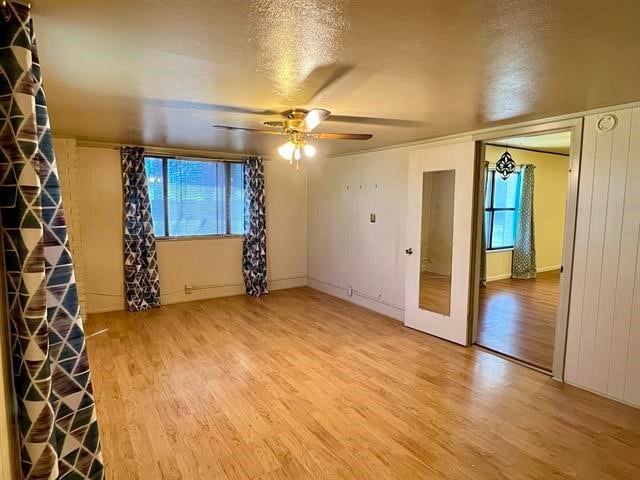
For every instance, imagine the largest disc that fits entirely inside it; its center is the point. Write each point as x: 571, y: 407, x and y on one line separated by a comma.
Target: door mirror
x: 438, y: 188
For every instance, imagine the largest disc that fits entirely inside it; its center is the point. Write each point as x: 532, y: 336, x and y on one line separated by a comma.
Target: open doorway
x: 524, y: 220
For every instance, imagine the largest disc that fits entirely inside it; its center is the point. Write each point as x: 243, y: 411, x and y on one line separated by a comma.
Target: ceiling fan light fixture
x: 309, y: 150
x: 287, y: 150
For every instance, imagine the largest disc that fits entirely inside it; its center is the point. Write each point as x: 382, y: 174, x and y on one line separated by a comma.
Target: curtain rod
x: 172, y: 152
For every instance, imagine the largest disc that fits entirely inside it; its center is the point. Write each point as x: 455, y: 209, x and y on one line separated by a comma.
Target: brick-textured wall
x: 67, y: 161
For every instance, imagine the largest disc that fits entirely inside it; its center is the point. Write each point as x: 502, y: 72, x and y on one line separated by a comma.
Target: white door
x: 439, y: 231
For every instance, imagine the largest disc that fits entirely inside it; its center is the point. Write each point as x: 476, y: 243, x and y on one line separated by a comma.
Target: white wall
x: 603, y: 345
x: 345, y: 248
x: 211, y: 263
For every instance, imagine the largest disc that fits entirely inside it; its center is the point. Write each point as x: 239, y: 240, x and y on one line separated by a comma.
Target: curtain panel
x: 57, y: 426
x: 523, y: 260
x: 254, y: 246
x: 483, y: 240
x: 141, y: 279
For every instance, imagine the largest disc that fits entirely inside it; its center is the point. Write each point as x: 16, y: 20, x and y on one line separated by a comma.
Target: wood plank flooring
x: 301, y: 385
x: 435, y: 293
x: 518, y: 317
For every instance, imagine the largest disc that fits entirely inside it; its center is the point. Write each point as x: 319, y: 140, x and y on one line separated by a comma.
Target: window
x: 195, y: 197
x: 500, y: 210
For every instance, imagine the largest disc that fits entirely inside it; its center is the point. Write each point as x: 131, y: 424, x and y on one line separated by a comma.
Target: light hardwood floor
x: 302, y: 385
x: 435, y: 293
x: 518, y: 317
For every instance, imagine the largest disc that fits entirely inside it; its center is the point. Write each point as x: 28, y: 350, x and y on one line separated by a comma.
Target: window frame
x: 492, y: 210
x: 165, y: 189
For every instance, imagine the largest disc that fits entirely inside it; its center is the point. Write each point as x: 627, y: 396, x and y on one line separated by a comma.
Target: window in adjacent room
x: 195, y: 197
x: 500, y: 210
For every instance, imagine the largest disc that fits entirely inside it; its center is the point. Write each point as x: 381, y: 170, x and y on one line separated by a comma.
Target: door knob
x: 408, y: 251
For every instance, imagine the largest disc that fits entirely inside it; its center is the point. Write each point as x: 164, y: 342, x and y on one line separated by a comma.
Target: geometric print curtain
x: 523, y: 259
x: 141, y: 279
x: 57, y: 426
x: 254, y: 246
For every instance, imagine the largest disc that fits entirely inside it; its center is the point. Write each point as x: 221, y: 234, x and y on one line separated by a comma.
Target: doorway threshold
x: 514, y: 359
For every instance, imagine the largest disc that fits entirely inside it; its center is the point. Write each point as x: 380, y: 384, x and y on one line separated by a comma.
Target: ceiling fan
x: 298, y: 125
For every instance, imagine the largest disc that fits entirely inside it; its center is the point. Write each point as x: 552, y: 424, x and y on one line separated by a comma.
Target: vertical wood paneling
x: 629, y: 239
x: 603, y: 341
x: 632, y: 371
x: 597, y: 222
x: 343, y: 192
x: 579, y: 278
x: 611, y: 256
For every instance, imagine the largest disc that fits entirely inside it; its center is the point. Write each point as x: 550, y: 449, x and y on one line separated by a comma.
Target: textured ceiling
x: 161, y: 73
x: 559, y: 142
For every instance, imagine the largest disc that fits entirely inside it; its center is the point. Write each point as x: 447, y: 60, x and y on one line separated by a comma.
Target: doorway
x: 525, y: 223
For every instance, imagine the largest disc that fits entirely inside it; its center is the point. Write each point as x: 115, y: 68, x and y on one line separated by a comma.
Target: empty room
x: 324, y: 239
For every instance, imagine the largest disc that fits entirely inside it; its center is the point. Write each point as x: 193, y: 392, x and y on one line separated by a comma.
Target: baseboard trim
x: 508, y: 275
x: 207, y: 292
x: 601, y: 394
x: 370, y: 304
x: 499, y: 277
x: 283, y: 283
x: 549, y: 269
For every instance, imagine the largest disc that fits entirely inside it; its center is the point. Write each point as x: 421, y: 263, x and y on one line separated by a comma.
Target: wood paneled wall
x: 603, y: 344
x: 345, y: 248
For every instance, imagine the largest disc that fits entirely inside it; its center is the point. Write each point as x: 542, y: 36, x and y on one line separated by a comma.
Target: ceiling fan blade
x: 275, y: 124
x: 387, y: 122
x: 342, y: 136
x: 250, y: 130
x: 318, y: 80
x: 313, y: 118
x: 186, y: 105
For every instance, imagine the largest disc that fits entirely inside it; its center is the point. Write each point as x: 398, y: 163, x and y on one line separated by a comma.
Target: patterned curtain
x: 141, y: 279
x: 58, y: 430
x: 483, y: 240
x: 523, y: 262
x: 254, y: 247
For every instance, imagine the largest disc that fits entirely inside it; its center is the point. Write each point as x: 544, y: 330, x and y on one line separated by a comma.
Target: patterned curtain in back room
x: 141, y: 279
x: 56, y: 416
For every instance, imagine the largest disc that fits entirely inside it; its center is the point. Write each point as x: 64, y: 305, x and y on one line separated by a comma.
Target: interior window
x: 500, y: 210
x: 195, y: 197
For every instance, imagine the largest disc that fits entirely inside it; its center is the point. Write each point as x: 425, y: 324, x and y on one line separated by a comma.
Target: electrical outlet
x: 188, y: 289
